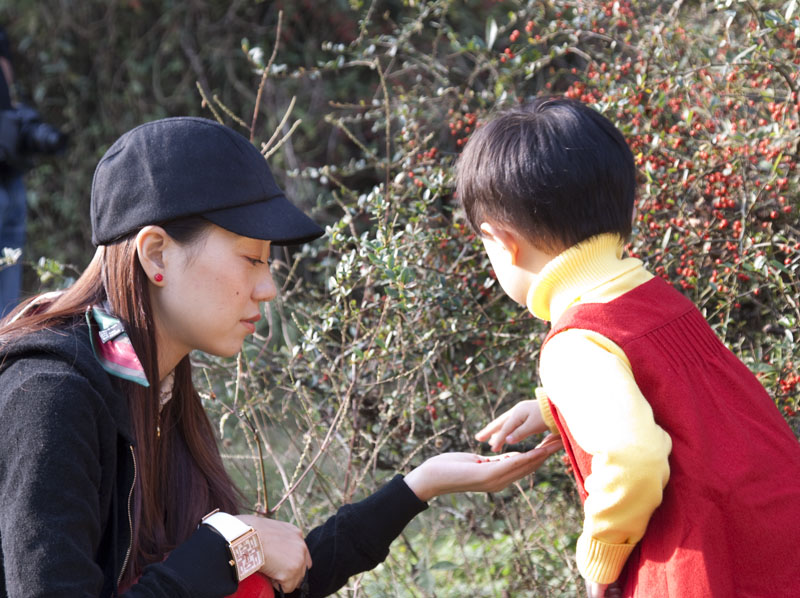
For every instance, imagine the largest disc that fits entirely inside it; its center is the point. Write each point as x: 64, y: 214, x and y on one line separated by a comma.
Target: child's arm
x: 522, y: 420
x: 589, y: 379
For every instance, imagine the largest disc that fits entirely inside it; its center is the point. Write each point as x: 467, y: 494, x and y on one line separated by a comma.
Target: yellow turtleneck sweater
x: 589, y: 379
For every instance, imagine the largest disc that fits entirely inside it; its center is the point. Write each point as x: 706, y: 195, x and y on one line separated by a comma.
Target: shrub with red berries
x: 396, y: 340
x: 391, y: 339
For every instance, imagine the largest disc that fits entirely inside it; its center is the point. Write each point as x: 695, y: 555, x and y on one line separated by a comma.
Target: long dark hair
x: 180, y: 472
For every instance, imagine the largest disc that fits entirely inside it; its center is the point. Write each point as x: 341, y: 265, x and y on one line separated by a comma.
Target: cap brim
x: 276, y: 220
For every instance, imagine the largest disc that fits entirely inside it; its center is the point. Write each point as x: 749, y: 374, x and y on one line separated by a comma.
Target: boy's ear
x: 151, y: 245
x: 504, y: 237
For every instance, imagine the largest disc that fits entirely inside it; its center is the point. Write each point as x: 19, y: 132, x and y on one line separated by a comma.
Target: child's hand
x: 602, y: 590
x: 465, y: 472
x: 519, y: 422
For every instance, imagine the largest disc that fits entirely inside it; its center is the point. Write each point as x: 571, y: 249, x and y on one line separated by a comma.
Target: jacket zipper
x: 130, y: 519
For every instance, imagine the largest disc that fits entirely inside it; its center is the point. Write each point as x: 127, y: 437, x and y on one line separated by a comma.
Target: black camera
x: 23, y: 133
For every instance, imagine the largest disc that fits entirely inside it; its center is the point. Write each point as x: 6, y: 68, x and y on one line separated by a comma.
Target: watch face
x: 247, y: 554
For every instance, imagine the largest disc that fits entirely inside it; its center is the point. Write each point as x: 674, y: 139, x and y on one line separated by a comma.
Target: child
x: 689, y: 476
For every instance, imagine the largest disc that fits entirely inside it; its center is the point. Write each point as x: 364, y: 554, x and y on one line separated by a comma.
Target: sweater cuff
x: 599, y: 561
x: 544, y: 407
x: 202, y: 563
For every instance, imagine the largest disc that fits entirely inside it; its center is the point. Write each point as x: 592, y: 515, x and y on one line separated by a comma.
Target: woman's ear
x: 152, y: 244
x: 503, y: 237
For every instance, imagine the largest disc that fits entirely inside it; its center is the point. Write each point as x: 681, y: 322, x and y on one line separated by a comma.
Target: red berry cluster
x: 461, y: 125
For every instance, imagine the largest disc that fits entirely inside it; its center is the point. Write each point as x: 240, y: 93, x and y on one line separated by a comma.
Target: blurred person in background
x: 22, y: 135
x: 12, y: 196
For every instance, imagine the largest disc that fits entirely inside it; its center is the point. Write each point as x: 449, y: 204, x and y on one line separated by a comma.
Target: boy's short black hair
x: 554, y: 170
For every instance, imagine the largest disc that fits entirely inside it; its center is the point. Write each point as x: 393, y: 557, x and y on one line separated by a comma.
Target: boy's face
x: 503, y: 269
x: 516, y: 262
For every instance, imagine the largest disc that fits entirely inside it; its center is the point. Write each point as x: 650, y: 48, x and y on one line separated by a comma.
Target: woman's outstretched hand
x: 286, y: 555
x: 465, y: 472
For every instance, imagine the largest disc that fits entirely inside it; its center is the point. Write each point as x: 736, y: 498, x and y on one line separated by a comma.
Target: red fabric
x: 255, y: 586
x: 580, y: 461
x: 729, y: 522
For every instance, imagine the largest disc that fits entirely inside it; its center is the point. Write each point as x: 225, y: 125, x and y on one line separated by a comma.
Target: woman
x: 108, y: 463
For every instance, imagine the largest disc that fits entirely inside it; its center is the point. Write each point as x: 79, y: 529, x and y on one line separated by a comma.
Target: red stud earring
x: 158, y: 277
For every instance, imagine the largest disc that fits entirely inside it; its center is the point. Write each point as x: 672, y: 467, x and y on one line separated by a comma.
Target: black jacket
x: 66, y: 477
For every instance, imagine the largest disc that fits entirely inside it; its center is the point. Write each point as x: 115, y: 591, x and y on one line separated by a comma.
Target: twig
x: 264, y: 75
x: 282, y: 473
x: 337, y: 122
x: 268, y: 144
x: 422, y: 445
x: 364, y: 24
x: 388, y: 133
x: 282, y: 141
x: 325, y: 442
x: 229, y: 112
x: 207, y: 103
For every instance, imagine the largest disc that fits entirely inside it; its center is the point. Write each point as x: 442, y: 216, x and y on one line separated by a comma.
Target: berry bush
x: 391, y: 339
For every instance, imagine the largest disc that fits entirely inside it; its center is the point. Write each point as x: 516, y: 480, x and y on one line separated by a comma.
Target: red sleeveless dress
x: 729, y: 522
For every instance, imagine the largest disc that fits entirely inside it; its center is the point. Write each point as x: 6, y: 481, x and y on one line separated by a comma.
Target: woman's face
x: 211, y: 293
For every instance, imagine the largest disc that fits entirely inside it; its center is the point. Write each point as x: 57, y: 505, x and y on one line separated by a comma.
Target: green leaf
x: 744, y: 53
x: 790, y: 8
x: 491, y: 32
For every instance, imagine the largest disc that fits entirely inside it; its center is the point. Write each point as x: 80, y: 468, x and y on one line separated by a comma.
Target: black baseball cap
x: 188, y: 166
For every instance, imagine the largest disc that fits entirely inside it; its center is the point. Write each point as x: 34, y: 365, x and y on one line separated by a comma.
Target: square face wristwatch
x: 247, y: 555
